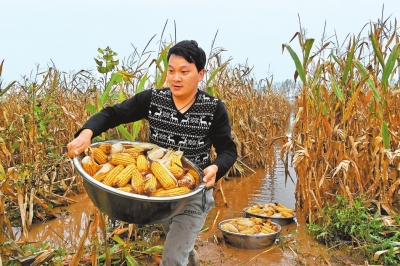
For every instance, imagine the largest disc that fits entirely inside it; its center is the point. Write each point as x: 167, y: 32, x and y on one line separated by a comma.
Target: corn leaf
x: 113, y: 249
x: 130, y: 261
x: 336, y: 89
x: 125, y: 133
x: 308, y: 45
x: 385, y: 134
x: 387, y: 70
x: 297, y: 63
x: 349, y: 62
x: 141, y: 83
x: 7, y: 88
x: 153, y: 249
x: 364, y: 72
x: 377, y: 50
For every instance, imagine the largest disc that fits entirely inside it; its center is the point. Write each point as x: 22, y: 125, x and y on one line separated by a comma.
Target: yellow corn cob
x: 121, y: 158
x: 128, y: 188
x: 193, y: 174
x: 163, y: 175
x: 108, y: 179
x: 99, y: 156
x: 171, y: 192
x: 137, y: 181
x: 150, y: 185
x: 101, y: 174
x: 106, y: 148
x: 176, y: 161
x: 176, y: 171
x: 124, y: 176
x: 136, y: 151
x: 89, y: 165
x: 142, y: 164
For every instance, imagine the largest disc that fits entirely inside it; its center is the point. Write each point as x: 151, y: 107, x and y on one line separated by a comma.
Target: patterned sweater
x: 203, y: 125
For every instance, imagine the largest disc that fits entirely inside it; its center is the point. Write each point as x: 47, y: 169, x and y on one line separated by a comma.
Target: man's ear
x: 201, y: 74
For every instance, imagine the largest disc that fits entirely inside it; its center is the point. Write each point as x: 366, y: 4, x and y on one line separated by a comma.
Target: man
x: 180, y: 117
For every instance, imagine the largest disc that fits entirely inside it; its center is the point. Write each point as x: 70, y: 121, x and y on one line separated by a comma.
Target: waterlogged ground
x: 294, y: 246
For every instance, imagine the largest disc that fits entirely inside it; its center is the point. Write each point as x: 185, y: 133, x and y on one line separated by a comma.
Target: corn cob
x: 136, y: 151
x: 109, y: 178
x: 121, y: 158
x: 187, y: 181
x: 193, y: 174
x: 176, y: 160
x: 142, y: 164
x: 137, y: 181
x: 150, y: 185
x: 176, y: 171
x: 163, y: 175
x: 99, y: 156
x: 101, y: 174
x: 124, y: 176
x: 89, y: 165
x: 128, y: 188
x: 106, y: 148
x: 171, y: 192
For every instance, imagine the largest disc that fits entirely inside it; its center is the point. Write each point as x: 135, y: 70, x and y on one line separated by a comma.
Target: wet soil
x: 293, y: 247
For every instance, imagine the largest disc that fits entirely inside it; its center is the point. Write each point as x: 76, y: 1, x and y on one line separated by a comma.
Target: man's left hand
x: 210, y: 174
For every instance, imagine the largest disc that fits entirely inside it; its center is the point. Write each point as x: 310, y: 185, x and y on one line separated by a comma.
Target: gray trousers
x: 182, y: 229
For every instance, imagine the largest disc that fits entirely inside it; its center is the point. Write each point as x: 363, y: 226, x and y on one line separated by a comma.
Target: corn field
x: 345, y: 135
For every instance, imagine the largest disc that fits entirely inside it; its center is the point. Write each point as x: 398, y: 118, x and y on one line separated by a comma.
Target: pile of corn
x: 276, y: 210
x: 134, y: 169
x: 250, y: 226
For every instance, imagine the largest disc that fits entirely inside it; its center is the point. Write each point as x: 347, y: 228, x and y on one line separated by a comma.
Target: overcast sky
x: 68, y: 33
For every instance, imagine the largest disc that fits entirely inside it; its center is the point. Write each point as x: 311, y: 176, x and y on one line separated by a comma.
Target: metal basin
x: 277, y: 220
x: 243, y: 241
x: 134, y: 208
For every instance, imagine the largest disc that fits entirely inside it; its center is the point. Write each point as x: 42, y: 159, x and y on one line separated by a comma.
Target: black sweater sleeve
x: 130, y: 110
x: 220, y: 135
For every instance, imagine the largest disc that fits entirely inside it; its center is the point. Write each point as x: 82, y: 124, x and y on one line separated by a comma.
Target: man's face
x: 183, y: 77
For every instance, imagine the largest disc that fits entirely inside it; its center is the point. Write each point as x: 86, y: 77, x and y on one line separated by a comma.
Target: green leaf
x: 119, y: 240
x: 297, y: 63
x: 100, y: 50
x: 377, y: 51
x: 141, y: 83
x: 7, y: 88
x: 153, y: 249
x: 336, y: 89
x: 308, y: 45
x: 349, y: 62
x: 215, y: 72
x: 364, y: 72
x: 125, y: 132
x: 113, y: 249
x: 136, y: 128
x: 385, y: 134
x: 130, y: 261
x: 91, y: 108
x: 387, y: 70
x: 210, y: 91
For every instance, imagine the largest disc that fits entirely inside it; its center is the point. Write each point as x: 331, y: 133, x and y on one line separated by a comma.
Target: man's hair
x: 191, y: 51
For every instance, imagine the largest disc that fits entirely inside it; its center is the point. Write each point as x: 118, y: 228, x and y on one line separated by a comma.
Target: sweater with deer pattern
x: 203, y: 125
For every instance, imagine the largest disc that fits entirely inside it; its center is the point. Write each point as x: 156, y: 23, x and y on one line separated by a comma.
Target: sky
x: 35, y: 34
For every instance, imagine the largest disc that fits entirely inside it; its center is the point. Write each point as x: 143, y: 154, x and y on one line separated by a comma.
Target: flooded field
x: 233, y: 195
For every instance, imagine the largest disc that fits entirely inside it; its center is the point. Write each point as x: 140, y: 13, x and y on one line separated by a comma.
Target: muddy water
x: 264, y: 186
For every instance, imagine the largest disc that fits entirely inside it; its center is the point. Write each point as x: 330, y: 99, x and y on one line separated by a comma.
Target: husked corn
x: 137, y: 181
x: 163, y: 175
x: 176, y: 161
x: 176, y: 171
x: 121, y: 158
x: 109, y: 178
x: 89, y: 165
x: 142, y: 164
x: 106, y: 148
x: 124, y: 176
x: 99, y: 156
x: 171, y: 192
x: 150, y: 185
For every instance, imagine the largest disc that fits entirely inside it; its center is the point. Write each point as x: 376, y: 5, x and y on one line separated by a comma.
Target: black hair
x: 191, y: 51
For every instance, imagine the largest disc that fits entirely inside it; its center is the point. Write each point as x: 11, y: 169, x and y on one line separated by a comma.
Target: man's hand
x: 210, y: 174
x: 80, y: 143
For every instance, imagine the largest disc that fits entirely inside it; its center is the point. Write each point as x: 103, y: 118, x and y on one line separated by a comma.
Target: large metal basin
x: 243, y: 241
x: 134, y: 208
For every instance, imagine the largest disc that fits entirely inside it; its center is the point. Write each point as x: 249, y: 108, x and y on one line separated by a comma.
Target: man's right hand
x: 80, y: 143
